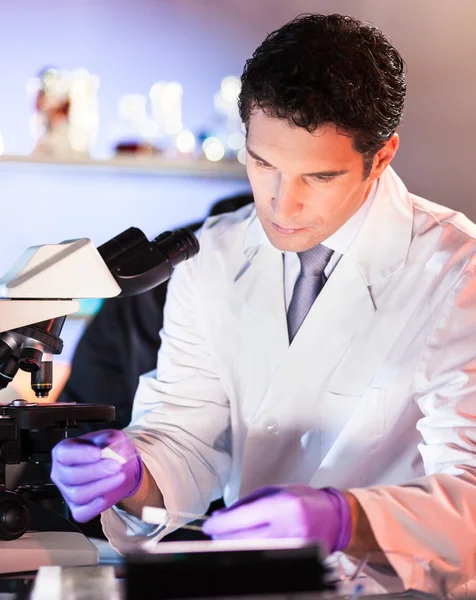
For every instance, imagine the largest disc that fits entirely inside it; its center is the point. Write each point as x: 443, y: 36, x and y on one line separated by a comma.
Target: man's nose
x: 287, y: 202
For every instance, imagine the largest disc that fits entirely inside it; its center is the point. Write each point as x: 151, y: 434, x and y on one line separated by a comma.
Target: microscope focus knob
x: 30, y: 359
x: 14, y: 515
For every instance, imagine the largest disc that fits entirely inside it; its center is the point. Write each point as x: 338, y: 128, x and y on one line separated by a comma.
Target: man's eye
x: 262, y: 165
x: 323, y: 178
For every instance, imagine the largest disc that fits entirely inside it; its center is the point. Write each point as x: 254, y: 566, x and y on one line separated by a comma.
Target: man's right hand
x: 90, y: 483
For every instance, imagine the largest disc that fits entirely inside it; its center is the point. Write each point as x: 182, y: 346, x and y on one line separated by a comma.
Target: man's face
x: 305, y: 185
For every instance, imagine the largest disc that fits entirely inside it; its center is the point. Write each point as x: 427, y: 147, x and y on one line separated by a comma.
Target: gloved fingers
x: 84, y: 494
x: 102, y: 437
x: 112, y: 440
x: 264, y: 492
x: 259, y: 513
x: 85, y: 512
x: 76, y: 451
x: 84, y: 473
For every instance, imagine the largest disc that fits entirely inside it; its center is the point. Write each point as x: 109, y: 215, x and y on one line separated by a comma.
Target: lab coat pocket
x: 352, y: 433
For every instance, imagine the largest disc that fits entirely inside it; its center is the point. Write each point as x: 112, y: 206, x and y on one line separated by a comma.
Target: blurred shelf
x: 134, y: 165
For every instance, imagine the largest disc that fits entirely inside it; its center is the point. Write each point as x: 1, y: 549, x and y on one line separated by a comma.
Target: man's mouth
x: 286, y: 230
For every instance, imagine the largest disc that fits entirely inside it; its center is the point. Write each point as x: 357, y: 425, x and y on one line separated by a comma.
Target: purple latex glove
x: 295, y: 511
x: 90, y: 483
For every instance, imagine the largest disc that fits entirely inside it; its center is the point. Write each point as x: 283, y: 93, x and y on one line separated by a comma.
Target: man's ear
x: 384, y: 157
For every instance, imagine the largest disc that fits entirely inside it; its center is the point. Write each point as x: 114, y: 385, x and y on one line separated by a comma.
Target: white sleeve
x: 434, y: 517
x: 181, y: 419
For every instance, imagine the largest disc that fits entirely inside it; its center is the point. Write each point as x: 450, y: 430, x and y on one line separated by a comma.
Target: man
x: 318, y: 355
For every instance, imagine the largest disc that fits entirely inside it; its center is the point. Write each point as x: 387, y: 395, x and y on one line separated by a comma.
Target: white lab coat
x: 377, y: 389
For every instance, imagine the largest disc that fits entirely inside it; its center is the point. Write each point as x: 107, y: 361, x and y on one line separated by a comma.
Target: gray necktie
x: 310, y: 282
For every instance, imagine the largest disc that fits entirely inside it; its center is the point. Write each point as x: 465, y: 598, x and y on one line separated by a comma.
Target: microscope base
x: 39, y: 548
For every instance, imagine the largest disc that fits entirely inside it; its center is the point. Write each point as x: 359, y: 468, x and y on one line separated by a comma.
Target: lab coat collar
x: 381, y: 247
x: 341, y: 240
x: 377, y: 237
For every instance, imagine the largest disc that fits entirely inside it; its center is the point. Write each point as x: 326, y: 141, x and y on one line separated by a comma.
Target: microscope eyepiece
x: 139, y: 265
x: 178, y: 245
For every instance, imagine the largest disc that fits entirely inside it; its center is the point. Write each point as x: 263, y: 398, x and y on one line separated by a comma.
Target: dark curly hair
x: 321, y: 69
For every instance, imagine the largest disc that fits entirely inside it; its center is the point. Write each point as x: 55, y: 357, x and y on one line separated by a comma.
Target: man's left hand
x: 295, y: 511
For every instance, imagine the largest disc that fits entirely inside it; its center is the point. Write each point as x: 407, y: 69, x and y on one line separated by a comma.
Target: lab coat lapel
x: 380, y: 252
x: 263, y: 335
x: 381, y: 247
x: 343, y: 307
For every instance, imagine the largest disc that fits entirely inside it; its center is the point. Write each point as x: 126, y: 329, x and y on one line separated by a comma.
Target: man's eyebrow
x: 326, y: 173
x: 256, y: 157
x: 316, y: 174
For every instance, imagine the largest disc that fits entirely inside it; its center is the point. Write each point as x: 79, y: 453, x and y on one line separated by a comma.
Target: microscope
x: 36, y: 296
